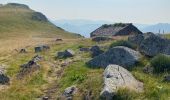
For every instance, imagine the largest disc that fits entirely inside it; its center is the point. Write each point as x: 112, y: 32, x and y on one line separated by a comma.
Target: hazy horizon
x: 133, y: 11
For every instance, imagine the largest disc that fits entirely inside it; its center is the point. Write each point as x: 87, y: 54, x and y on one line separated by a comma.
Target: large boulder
x: 150, y: 44
x: 119, y: 55
x: 65, y: 54
x: 117, y: 77
x: 4, y: 79
x: 95, y: 51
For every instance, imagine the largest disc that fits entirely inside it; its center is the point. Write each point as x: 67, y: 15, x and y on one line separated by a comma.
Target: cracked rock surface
x: 116, y: 77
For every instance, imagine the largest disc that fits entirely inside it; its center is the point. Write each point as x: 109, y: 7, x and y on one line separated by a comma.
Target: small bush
x: 123, y: 43
x: 161, y: 63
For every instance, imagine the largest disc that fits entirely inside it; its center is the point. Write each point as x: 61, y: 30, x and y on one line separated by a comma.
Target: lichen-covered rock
x: 3, y: 78
x: 69, y: 92
x: 150, y: 44
x: 37, y: 16
x: 116, y: 77
x: 119, y: 55
x: 65, y: 54
x: 41, y: 48
x: 95, y: 51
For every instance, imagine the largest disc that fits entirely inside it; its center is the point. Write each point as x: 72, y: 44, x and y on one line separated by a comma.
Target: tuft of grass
x: 123, y: 43
x: 161, y: 63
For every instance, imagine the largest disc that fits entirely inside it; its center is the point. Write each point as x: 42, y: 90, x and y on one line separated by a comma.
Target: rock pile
x: 116, y: 77
x: 119, y: 55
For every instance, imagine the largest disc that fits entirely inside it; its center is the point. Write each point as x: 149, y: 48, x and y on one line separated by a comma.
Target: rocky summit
x: 119, y: 55
x: 116, y: 77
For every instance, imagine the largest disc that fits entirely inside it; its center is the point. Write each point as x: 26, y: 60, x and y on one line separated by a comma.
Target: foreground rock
x: 69, y: 92
x: 167, y: 78
x: 116, y: 77
x: 30, y: 66
x: 151, y: 44
x: 41, y: 48
x: 3, y: 78
x: 65, y: 54
x: 95, y: 51
x: 118, y: 55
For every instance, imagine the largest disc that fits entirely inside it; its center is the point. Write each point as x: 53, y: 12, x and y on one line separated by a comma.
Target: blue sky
x: 136, y: 11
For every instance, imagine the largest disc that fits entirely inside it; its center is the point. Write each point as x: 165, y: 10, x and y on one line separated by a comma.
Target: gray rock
x: 65, y: 54
x: 3, y: 78
x: 118, y: 55
x: 116, y: 77
x: 41, y: 48
x: 69, y: 92
x: 167, y: 78
x: 150, y: 44
x: 95, y: 51
x: 23, y: 50
x: 148, y: 70
x: 37, y: 16
x: 84, y: 49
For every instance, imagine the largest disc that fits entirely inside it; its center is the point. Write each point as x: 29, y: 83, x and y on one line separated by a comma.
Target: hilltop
x: 18, y: 22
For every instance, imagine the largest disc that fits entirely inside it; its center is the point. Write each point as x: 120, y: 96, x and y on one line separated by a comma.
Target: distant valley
x: 85, y: 27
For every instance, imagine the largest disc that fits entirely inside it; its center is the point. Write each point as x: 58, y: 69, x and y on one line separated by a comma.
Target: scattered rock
x: 101, y: 38
x: 37, y: 16
x: 3, y: 78
x: 69, y: 92
x: 84, y: 49
x: 23, y: 50
x: 58, y: 39
x: 116, y: 77
x: 41, y: 48
x: 151, y: 44
x: 65, y: 54
x: 167, y: 78
x: 119, y: 55
x: 30, y: 66
x: 148, y: 70
x: 95, y: 51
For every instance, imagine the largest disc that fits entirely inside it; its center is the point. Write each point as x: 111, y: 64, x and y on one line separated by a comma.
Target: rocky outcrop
x: 95, y: 51
x: 37, y: 16
x: 116, y: 77
x: 65, y: 54
x: 41, y: 48
x: 4, y: 79
x: 119, y: 55
x: 69, y: 92
x: 151, y: 44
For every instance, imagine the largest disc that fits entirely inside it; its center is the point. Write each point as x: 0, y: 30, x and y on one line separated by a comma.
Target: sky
x: 134, y: 11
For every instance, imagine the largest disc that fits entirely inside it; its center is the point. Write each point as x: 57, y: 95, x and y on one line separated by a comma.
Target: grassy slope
x: 17, y: 29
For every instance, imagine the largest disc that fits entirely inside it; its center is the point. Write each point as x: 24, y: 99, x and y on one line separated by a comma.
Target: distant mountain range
x: 85, y: 27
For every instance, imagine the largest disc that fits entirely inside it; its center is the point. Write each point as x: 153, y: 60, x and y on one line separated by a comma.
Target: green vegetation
x: 123, y: 43
x: 161, y: 63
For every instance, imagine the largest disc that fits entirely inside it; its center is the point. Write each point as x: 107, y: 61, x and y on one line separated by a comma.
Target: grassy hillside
x: 17, y: 24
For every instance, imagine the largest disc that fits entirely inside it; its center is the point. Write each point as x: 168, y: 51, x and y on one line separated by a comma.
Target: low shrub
x: 161, y: 63
x: 123, y: 43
